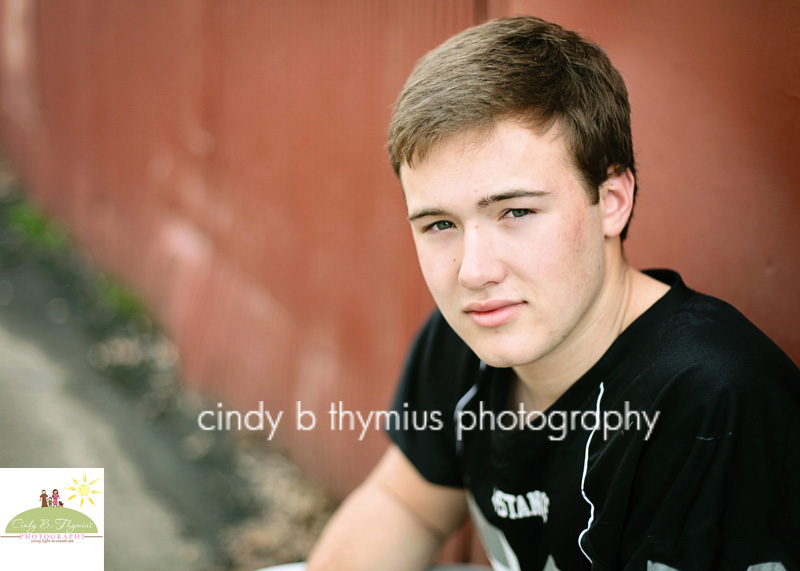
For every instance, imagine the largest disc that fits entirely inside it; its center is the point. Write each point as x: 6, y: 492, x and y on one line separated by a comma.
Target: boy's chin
x: 504, y: 359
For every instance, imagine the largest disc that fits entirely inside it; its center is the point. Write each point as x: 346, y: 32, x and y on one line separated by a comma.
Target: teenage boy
x: 587, y: 415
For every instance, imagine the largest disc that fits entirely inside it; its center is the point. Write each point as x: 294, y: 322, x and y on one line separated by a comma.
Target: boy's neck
x: 625, y: 295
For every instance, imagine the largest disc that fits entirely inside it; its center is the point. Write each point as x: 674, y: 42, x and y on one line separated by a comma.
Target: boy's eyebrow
x: 489, y: 200
x: 482, y: 203
x: 427, y: 212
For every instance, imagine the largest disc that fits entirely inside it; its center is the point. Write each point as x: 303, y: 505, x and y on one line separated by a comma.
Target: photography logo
x: 53, y: 518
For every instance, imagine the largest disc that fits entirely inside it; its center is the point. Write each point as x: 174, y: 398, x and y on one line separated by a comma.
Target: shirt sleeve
x: 439, y: 370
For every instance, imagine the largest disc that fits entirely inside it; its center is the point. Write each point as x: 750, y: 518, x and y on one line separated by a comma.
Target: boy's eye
x: 518, y: 212
x: 440, y: 225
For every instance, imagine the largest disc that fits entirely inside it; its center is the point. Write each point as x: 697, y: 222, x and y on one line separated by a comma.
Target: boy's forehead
x: 505, y: 139
x: 471, y: 139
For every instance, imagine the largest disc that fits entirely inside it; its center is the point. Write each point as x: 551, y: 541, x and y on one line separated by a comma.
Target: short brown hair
x: 521, y: 68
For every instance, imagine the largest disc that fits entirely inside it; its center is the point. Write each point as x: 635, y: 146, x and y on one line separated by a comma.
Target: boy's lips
x: 493, y: 313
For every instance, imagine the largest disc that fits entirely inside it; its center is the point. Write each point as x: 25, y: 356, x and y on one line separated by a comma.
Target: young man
x: 586, y: 414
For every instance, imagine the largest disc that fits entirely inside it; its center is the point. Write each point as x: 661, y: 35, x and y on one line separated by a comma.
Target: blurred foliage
x: 30, y: 236
x: 120, y: 299
x: 31, y: 224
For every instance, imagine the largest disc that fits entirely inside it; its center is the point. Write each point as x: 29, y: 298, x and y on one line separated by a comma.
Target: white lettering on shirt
x: 518, y: 506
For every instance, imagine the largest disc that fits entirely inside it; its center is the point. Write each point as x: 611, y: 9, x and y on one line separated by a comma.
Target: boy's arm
x: 395, y: 520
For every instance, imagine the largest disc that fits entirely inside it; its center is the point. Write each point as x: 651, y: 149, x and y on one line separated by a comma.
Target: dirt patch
x: 293, y: 511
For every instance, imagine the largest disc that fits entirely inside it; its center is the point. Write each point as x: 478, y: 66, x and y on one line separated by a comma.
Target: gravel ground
x: 293, y: 511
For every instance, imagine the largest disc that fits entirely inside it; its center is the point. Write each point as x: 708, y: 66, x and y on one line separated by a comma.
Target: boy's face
x: 511, y: 249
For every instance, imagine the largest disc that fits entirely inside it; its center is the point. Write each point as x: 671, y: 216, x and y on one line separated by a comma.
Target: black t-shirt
x: 679, y: 448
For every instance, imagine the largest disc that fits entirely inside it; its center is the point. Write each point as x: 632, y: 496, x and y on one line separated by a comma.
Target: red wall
x: 227, y: 159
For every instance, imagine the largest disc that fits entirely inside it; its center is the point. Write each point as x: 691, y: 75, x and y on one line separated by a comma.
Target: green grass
x: 120, y: 299
x: 32, y: 225
x: 48, y: 241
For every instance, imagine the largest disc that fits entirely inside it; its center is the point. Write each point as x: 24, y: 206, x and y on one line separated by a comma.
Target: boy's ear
x: 616, y: 201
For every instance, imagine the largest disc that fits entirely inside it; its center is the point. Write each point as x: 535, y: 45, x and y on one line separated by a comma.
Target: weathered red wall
x: 227, y: 159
